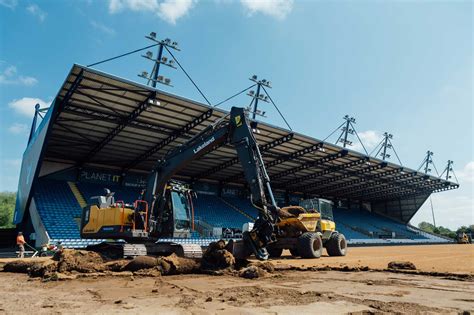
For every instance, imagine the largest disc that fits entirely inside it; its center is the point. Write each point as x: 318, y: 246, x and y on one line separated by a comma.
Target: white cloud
x: 466, y: 175
x: 101, y: 27
x: 26, y: 105
x: 35, y: 10
x: 275, y: 8
x: 10, y: 71
x: 11, y: 4
x: 369, y: 138
x: 452, y: 208
x: 28, y: 81
x: 18, y: 128
x: 9, y: 76
x: 168, y: 10
x: 172, y: 10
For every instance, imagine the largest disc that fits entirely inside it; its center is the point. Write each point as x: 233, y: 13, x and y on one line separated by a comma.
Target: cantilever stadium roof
x: 104, y: 120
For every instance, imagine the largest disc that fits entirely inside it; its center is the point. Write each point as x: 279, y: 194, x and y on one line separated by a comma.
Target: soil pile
x: 252, y: 272
x: 43, y: 270
x: 173, y: 265
x: 265, y: 265
x: 170, y: 265
x: 116, y: 265
x: 79, y: 260
x: 290, y: 212
x: 405, y: 265
x: 140, y: 262
x: 216, y: 257
x: 19, y: 266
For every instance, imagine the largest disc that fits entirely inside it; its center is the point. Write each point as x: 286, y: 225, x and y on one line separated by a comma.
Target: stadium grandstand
x: 102, y: 131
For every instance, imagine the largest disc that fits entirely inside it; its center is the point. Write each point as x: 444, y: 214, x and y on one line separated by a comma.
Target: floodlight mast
x: 256, y: 96
x: 154, y: 76
x: 449, y: 168
x: 346, y: 130
x: 386, y: 145
x: 428, y: 161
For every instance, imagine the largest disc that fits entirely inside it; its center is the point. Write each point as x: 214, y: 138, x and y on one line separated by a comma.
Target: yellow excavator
x: 166, y: 209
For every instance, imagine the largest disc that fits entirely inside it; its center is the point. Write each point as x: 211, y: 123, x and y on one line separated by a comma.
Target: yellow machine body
x: 110, y: 217
x: 307, y: 222
x: 327, y: 225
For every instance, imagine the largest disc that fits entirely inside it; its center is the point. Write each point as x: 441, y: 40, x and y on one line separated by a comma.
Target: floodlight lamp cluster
x: 160, y: 79
x: 261, y: 97
x: 169, y: 62
x: 263, y: 82
x: 350, y: 119
x: 346, y: 142
x: 166, y: 42
x: 350, y: 130
x: 260, y: 113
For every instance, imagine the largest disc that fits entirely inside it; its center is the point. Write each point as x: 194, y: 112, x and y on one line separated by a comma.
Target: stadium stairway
x: 243, y: 204
x: 79, y: 197
x: 60, y: 212
x: 237, y: 209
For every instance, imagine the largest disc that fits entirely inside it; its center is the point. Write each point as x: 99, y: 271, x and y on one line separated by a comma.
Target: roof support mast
x: 33, y: 124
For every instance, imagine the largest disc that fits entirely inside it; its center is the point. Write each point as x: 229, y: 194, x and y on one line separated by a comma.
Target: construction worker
x: 20, y: 241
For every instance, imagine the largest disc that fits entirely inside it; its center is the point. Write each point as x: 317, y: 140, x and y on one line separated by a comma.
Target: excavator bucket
x: 238, y: 248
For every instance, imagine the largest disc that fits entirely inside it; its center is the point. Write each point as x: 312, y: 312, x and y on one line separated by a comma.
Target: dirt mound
x: 32, y: 267
x: 265, y: 265
x: 172, y: 265
x: 116, y: 265
x: 252, y: 272
x: 18, y: 266
x: 405, y: 265
x: 290, y: 212
x: 43, y: 269
x: 217, y: 257
x: 79, y: 260
x: 141, y: 262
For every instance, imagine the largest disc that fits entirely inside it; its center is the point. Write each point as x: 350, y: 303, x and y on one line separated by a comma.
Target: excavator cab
x: 176, y: 216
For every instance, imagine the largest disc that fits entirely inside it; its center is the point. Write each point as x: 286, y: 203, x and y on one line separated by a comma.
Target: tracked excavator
x: 166, y: 209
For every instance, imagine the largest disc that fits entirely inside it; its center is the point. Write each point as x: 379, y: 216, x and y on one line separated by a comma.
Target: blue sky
x: 403, y: 67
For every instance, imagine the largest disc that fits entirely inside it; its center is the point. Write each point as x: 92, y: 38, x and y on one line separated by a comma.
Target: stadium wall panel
x: 31, y: 163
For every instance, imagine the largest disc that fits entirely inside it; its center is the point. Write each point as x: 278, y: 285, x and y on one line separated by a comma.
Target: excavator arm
x: 237, y: 132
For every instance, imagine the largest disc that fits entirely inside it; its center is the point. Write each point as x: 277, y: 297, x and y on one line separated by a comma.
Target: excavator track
x: 118, y: 250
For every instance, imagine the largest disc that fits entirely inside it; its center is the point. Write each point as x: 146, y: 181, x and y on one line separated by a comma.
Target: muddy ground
x: 282, y: 292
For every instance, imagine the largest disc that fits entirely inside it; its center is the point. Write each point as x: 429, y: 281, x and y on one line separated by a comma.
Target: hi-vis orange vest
x: 20, y: 240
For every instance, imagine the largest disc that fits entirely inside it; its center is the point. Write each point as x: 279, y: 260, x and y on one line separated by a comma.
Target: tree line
x: 7, y: 206
x: 441, y: 230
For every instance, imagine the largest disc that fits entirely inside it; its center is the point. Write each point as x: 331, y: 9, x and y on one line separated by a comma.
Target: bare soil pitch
x: 282, y: 292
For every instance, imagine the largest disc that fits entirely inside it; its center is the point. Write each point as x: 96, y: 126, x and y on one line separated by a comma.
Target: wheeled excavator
x: 166, y: 209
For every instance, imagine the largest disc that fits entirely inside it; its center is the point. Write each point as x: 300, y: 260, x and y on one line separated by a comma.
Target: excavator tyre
x: 310, y: 245
x: 336, y: 245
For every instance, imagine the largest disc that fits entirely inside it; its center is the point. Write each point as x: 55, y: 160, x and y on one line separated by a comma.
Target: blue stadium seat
x: 243, y: 204
x: 60, y: 214
x: 354, y: 222
x: 217, y: 213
